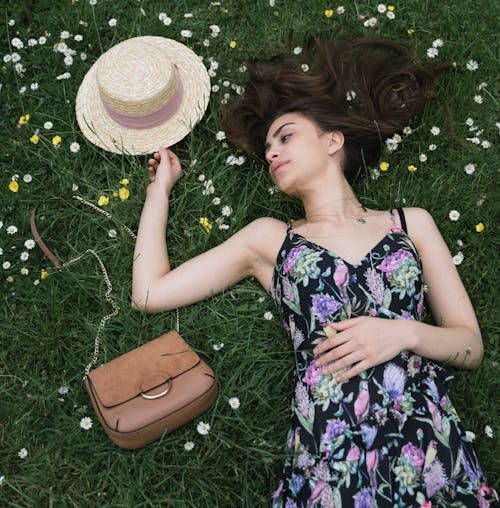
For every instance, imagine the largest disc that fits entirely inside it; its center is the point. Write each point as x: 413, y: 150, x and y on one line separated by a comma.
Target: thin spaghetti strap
x: 402, y: 219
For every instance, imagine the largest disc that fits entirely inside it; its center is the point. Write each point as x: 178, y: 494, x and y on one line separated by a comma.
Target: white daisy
x: 472, y: 65
x: 234, y: 402
x: 112, y: 233
x: 422, y: 157
x: 458, y: 258
x: 167, y: 21
x: 220, y: 135
x: 74, y: 147
x: 304, y: 67
x: 297, y: 50
x: 435, y: 131
x: 470, y: 168
x: 226, y: 211
x: 268, y: 315
x: 454, y: 215
x: 24, y: 271
x: 340, y: 9
x: 6, y: 265
x: 22, y: 453
x: 186, y: 34
x: 432, y: 52
x: 86, y: 423
x: 112, y: 22
x: 381, y: 8
x: 203, y: 428
x: 24, y: 256
x: 432, y: 147
x: 488, y: 431
x: 218, y: 346
x: 63, y: 390
x: 30, y: 243
x: 478, y: 99
x: 470, y: 436
x: 437, y: 43
x: 188, y: 446
x: 11, y: 230
x: 27, y: 178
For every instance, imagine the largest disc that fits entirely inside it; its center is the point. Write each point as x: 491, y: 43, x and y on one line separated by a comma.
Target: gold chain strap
x: 107, y: 280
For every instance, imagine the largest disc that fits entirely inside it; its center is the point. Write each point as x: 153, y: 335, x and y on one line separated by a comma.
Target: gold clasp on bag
x: 164, y: 392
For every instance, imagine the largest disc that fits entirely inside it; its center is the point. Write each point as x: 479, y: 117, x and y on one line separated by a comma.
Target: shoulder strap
x: 402, y: 220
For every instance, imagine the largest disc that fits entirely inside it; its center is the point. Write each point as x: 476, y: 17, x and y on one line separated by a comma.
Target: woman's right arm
x: 155, y: 287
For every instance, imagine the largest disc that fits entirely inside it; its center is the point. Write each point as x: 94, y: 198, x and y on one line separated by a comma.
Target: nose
x: 272, y: 154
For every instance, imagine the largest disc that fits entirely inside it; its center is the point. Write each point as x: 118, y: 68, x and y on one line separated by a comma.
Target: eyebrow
x: 277, y: 132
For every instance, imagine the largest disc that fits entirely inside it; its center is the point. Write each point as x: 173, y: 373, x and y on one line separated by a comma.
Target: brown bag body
x: 151, y: 390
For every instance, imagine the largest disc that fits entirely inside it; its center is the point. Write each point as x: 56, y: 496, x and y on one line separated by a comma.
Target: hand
x: 361, y: 343
x: 164, y: 170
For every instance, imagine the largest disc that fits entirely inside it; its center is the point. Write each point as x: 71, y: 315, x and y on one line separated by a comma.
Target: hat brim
x: 97, y: 126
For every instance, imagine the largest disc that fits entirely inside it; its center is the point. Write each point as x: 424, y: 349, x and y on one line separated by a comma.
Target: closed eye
x: 284, y: 137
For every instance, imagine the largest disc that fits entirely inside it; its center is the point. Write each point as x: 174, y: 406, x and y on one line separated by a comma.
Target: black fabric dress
x: 389, y: 437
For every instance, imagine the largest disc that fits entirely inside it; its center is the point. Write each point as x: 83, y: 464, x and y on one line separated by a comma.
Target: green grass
x: 47, y: 327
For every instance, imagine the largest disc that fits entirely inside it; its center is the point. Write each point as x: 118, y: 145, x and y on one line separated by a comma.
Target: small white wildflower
x: 215, y: 29
x: 381, y: 8
x: 231, y: 160
x: 34, y: 86
x: 203, y: 428
x: 432, y: 52
x: 304, y: 67
x: 167, y: 21
x: 6, y: 265
x: 374, y: 174
x: 218, y: 346
x: 242, y: 68
x: 201, y: 178
x: 216, y: 201
x: 470, y: 168
x: 212, y: 73
x: 340, y: 9
x: 186, y: 34
x: 469, y: 122
x: 63, y: 390
x: 226, y: 211
x: 268, y: 315
x: 485, y: 144
x: 112, y: 22
x: 2, y: 480
x: 219, y: 136
x: 162, y: 16
x: 488, y: 431
x: 32, y: 42
x: 391, y: 144
x: 66, y: 75
x: 78, y: 38
x: 351, y: 95
x: 272, y: 3
x: 24, y: 271
x: 435, y: 131
x: 74, y: 147
x: 22, y: 453
x: 432, y: 147
x: 86, y: 423
x: 11, y: 230
x: 460, y: 243
x: 48, y: 125
x: 30, y: 243
x: 22, y: 90
x: 422, y: 157
x: 472, y: 65
x: 24, y: 256
x: 42, y: 40
x: 240, y: 160
x: 482, y: 85
x: 407, y: 130
x: 478, y: 99
x: 390, y: 15
x: 470, y: 436
x: 74, y: 187
x: 64, y: 34
x: 234, y: 402
x: 112, y: 233
x: 12, y: 22
x: 454, y: 215
x: 188, y: 15
x: 188, y: 446
x: 458, y: 258
x: 371, y: 22
x: 27, y: 178
x: 437, y: 43
x: 474, y: 140
x: 297, y: 50
x: 17, y: 43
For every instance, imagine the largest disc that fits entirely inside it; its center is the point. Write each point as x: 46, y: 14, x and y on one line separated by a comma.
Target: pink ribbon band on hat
x: 150, y: 120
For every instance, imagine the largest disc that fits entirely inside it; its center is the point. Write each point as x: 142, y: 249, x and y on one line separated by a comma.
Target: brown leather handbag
x: 149, y: 391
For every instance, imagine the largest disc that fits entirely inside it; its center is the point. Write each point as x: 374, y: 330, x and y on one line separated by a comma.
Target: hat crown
x: 136, y: 78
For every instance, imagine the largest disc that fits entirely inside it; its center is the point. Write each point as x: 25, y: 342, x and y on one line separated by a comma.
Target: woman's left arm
x: 363, y: 342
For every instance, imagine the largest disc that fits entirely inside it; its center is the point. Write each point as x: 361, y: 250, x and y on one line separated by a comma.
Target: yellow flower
x: 35, y: 139
x: 232, y: 44
x: 390, y: 8
x: 384, y: 166
x: 206, y: 224
x: 124, y: 193
x: 56, y: 140
x: 410, y: 31
x: 480, y: 227
x: 115, y: 194
x: 23, y: 119
x: 125, y: 181
x: 412, y: 168
x: 13, y: 186
x: 276, y: 13
x: 454, y: 64
x: 329, y: 13
x: 44, y: 274
x: 103, y: 200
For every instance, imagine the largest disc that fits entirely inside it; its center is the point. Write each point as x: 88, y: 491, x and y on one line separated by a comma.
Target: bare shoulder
x: 423, y: 230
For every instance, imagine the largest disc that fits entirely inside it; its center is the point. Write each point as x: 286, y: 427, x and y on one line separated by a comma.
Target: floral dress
x: 389, y: 437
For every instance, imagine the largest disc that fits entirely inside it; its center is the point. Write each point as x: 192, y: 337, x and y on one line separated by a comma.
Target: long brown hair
x: 369, y: 88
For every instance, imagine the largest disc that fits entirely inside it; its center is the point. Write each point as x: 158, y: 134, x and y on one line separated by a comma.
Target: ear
x: 335, y: 142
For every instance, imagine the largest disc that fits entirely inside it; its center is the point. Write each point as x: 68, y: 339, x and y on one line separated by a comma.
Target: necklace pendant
x: 361, y: 220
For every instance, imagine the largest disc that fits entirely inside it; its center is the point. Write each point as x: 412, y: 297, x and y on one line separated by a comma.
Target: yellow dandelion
x: 103, y: 200
x: 410, y: 31
x: 232, y: 44
x: 23, y: 119
x: 390, y: 8
x: 124, y: 193
x: 35, y: 139
x: 480, y: 227
x: 328, y: 13
x: 43, y: 274
x: 206, y: 224
x: 412, y: 168
x: 124, y: 181
x: 56, y: 140
x: 384, y: 166
x: 13, y: 186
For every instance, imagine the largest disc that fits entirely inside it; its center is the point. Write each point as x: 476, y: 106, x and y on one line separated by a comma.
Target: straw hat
x: 141, y: 94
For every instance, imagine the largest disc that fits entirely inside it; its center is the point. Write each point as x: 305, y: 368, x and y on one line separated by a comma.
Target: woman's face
x: 297, y: 152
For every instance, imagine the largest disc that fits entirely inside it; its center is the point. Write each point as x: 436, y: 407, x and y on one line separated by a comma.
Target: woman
x: 371, y: 423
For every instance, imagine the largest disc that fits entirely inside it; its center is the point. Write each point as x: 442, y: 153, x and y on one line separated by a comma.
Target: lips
x: 276, y: 166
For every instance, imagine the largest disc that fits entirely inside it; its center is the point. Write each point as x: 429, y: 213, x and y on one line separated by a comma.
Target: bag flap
x: 142, y: 369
